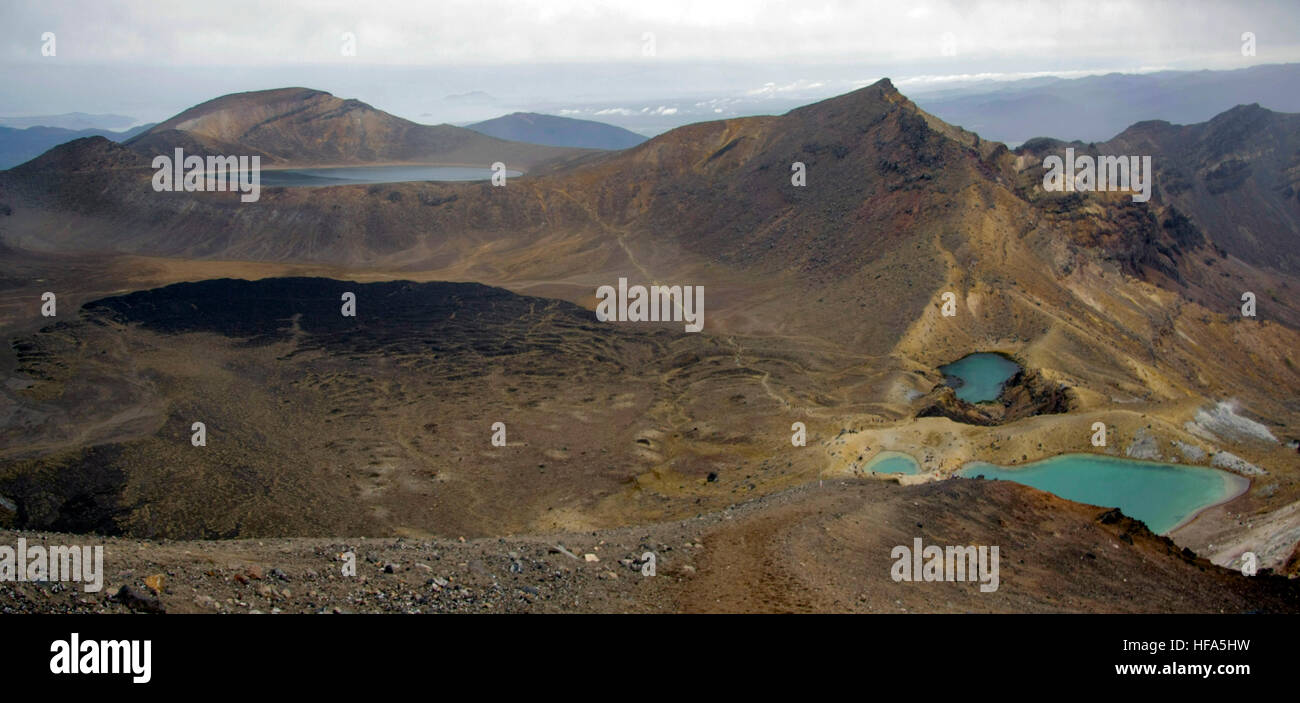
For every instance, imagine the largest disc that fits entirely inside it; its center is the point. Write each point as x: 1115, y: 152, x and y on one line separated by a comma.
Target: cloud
x: 130, y: 57
x: 800, y: 86
x: 496, y: 32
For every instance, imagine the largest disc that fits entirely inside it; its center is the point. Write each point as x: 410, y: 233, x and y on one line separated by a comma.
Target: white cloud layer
x: 496, y: 32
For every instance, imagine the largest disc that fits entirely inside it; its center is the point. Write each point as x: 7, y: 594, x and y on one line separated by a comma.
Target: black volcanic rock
x: 1025, y: 394
x: 394, y: 315
x: 69, y: 496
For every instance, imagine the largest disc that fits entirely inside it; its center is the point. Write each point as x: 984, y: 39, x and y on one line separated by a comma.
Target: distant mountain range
x: 211, y: 128
x: 71, y: 120
x: 1097, y: 108
x: 558, y: 131
x: 1236, y: 176
x: 19, y: 145
x: 1090, y: 109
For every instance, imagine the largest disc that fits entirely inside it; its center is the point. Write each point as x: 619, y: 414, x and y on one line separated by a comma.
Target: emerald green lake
x: 893, y: 463
x: 980, y: 376
x: 1161, y: 495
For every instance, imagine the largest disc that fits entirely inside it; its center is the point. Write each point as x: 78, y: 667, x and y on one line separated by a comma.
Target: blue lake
x: 1161, y: 495
x: 350, y: 175
x: 980, y: 376
x: 893, y: 463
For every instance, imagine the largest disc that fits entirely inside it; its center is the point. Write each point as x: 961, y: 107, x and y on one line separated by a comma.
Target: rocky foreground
x: 823, y: 547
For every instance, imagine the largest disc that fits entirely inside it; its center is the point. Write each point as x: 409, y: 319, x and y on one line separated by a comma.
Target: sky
x: 635, y: 63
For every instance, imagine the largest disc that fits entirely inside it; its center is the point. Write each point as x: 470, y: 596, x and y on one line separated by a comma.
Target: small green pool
x: 893, y: 463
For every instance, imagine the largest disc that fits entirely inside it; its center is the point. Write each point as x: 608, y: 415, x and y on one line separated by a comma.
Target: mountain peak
x: 229, y: 117
x: 1238, y: 113
x: 88, y: 154
x: 304, y: 126
x: 881, y: 93
x: 871, y: 103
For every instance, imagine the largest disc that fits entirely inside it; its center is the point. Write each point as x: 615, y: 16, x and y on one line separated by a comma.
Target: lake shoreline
x: 1231, y: 486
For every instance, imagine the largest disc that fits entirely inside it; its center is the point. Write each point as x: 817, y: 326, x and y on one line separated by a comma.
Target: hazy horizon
x: 435, y: 64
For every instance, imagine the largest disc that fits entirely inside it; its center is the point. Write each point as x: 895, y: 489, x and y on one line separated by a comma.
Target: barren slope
x: 823, y: 301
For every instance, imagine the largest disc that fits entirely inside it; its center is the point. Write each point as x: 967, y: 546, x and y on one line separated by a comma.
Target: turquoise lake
x: 1161, y: 495
x: 893, y: 463
x: 980, y: 375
